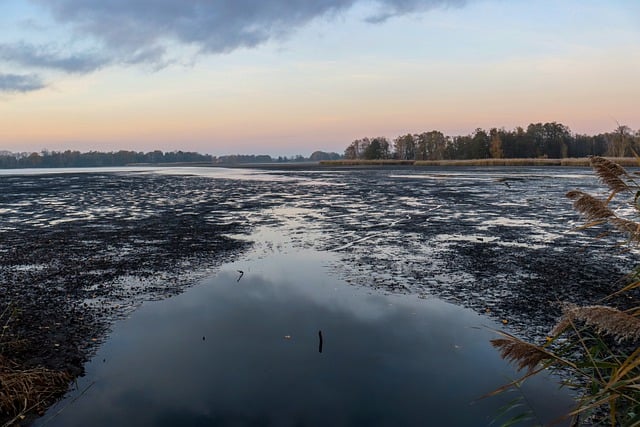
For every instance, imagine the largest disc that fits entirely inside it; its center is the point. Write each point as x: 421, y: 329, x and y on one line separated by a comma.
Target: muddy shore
x: 80, y: 250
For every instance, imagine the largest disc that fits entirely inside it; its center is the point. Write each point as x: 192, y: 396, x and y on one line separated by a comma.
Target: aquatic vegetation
x: 577, y: 161
x: 596, y: 344
x: 24, y: 390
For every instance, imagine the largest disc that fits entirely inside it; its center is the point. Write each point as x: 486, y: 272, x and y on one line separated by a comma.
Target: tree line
x: 69, y: 159
x: 538, y: 140
x: 235, y: 159
x: 62, y: 159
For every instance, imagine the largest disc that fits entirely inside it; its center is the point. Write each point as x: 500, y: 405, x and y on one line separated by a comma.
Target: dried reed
x: 26, y: 390
x: 628, y: 227
x: 610, y: 173
x: 609, y: 372
x: 574, y: 162
x: 591, y: 208
x: 605, y: 320
x: 524, y: 354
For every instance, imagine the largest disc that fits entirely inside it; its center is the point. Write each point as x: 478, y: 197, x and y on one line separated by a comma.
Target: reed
x: 598, y: 344
x: 569, y: 162
x: 25, y: 390
x: 491, y: 162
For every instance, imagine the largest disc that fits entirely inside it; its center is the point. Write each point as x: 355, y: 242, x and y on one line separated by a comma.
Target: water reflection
x: 251, y: 352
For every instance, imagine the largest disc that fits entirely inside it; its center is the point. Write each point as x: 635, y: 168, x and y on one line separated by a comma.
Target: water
x: 244, y: 349
x: 333, y: 252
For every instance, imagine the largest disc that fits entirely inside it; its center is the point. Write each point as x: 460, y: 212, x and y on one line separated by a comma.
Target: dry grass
x: 28, y: 390
x: 24, y: 391
x: 585, y: 161
x: 491, y: 162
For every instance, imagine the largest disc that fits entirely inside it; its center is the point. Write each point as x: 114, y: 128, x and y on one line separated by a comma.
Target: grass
x: 584, y: 161
x: 597, y: 344
x: 23, y: 390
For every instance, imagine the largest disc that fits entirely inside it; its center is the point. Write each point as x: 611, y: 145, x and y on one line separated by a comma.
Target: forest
x: 538, y: 140
x: 68, y: 158
x: 74, y: 159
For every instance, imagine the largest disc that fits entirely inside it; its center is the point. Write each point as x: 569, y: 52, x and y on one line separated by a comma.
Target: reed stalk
x: 597, y: 344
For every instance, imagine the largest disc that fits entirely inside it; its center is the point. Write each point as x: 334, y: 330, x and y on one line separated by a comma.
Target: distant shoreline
x: 325, y: 164
x: 570, y: 162
x: 583, y: 161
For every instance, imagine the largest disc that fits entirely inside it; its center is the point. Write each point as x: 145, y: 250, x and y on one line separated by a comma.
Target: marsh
x: 130, y: 277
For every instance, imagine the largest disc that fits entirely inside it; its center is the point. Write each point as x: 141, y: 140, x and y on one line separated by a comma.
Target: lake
x: 245, y: 350
x: 398, y: 276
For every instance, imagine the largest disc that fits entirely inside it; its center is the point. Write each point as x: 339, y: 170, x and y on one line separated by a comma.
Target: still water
x: 245, y: 349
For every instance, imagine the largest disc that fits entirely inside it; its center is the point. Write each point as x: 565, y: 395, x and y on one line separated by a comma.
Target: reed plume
x: 609, y: 372
x: 628, y: 227
x: 522, y: 353
x: 610, y: 173
x: 591, y: 208
x: 605, y: 320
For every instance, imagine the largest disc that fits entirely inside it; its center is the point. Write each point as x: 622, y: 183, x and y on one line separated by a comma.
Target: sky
x: 286, y: 77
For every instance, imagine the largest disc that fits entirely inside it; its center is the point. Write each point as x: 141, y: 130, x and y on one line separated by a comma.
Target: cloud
x: 142, y: 32
x: 20, y: 83
x: 49, y: 57
x: 213, y: 26
x: 393, y: 8
x: 137, y: 31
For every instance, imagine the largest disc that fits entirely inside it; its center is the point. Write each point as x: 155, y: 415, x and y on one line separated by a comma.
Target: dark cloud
x: 393, y: 8
x: 213, y: 26
x: 48, y: 57
x: 140, y: 30
x: 20, y: 83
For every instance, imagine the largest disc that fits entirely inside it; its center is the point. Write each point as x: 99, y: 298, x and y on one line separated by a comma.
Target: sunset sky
x: 286, y: 77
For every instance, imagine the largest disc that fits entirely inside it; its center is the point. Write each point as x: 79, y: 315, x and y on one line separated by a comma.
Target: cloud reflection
x: 403, y: 366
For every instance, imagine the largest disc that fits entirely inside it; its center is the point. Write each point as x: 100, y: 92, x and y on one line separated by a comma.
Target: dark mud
x: 80, y: 250
x: 511, y: 251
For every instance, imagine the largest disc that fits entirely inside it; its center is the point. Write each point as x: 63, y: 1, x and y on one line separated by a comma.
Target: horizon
x: 276, y: 156
x: 284, y: 79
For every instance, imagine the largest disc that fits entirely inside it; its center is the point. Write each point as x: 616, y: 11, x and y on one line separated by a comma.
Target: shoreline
x: 567, y: 162
x: 327, y: 164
